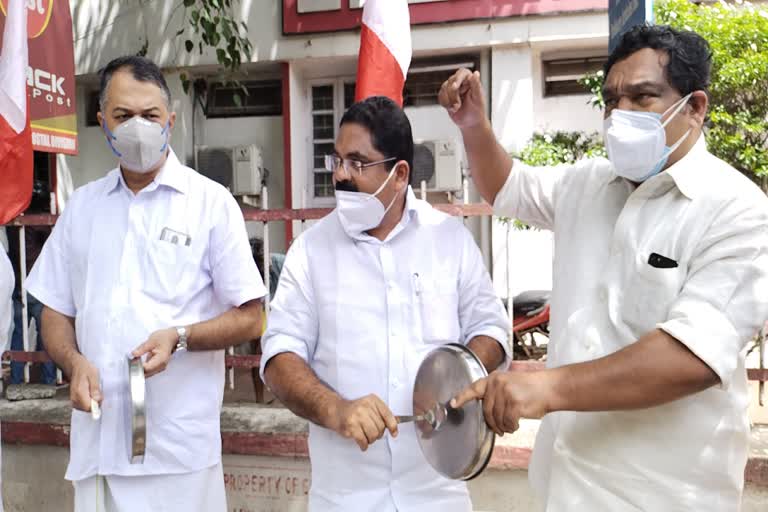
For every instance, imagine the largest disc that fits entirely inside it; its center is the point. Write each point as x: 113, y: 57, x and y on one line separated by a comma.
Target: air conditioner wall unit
x: 438, y: 162
x: 238, y: 168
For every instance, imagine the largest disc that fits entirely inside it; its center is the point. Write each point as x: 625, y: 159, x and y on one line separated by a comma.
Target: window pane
x: 349, y: 95
x: 250, y: 98
x: 323, y: 184
x: 322, y: 97
x: 318, y: 154
x: 322, y: 126
x: 422, y: 88
x: 561, y: 76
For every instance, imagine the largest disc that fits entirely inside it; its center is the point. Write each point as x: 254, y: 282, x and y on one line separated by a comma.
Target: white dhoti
x: 200, y: 491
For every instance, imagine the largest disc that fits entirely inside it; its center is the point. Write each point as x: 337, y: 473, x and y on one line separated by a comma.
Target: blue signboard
x: 625, y: 14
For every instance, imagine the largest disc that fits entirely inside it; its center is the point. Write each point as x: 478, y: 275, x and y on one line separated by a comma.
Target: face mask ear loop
x: 675, y: 109
x: 385, y: 181
x: 678, y: 143
x: 391, y: 203
x: 166, y: 131
x: 110, y: 138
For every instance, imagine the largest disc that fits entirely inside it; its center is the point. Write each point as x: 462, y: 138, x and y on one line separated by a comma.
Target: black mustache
x: 346, y: 186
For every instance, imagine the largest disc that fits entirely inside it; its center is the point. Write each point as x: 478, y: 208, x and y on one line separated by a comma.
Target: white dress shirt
x: 363, y: 313
x: 713, y: 222
x: 106, y: 265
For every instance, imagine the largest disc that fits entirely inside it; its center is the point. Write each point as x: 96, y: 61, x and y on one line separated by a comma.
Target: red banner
x: 50, y: 75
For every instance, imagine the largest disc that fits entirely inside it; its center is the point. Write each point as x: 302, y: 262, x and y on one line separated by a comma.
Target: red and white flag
x: 16, y: 156
x: 385, y: 50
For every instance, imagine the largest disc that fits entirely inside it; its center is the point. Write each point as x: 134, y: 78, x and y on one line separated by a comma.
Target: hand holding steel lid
x: 364, y: 420
x: 159, y: 347
x: 508, y: 396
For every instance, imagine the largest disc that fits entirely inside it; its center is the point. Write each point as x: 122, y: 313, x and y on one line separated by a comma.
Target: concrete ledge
x: 254, y: 429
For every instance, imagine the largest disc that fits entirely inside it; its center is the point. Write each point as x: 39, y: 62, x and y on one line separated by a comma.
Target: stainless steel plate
x: 456, y: 442
x: 136, y: 382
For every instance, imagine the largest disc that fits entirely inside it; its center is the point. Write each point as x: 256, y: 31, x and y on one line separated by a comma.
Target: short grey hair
x: 142, y: 69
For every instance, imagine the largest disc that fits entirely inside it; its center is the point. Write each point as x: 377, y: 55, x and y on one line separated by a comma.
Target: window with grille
x: 561, y: 76
x: 323, y: 137
x: 426, y: 76
x: 329, y: 102
x: 250, y: 98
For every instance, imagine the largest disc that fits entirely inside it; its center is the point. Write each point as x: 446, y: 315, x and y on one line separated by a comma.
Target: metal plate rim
x: 475, y: 370
x: 137, y: 383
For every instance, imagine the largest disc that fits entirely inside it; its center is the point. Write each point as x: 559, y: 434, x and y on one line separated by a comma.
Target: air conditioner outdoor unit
x: 438, y: 162
x: 239, y: 168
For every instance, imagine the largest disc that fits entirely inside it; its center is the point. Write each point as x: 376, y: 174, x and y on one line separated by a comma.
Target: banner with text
x: 50, y: 75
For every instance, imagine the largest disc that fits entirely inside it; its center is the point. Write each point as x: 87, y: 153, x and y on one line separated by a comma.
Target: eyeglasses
x: 332, y: 162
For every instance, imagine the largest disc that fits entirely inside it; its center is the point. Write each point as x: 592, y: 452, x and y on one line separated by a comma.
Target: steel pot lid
x: 457, y: 442
x: 138, y: 439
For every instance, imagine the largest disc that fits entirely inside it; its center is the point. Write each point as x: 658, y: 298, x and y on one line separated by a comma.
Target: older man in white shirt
x: 660, y: 281
x: 363, y: 296
x: 150, y: 261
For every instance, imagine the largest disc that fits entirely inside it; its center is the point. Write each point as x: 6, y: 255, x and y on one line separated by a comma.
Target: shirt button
x: 602, y: 295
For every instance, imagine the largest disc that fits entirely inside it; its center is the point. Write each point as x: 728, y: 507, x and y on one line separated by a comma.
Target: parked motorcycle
x: 530, y: 320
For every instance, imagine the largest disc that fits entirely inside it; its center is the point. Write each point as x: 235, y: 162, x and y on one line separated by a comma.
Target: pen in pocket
x: 416, y: 284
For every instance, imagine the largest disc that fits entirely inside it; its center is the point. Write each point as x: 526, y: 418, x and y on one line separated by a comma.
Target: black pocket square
x: 658, y: 261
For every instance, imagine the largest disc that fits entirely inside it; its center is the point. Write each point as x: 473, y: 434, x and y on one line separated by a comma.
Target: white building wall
x: 267, y: 133
x: 105, y: 29
x: 519, y: 109
x: 568, y: 113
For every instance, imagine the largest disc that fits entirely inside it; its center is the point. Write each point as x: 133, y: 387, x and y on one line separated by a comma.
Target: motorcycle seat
x: 530, y: 302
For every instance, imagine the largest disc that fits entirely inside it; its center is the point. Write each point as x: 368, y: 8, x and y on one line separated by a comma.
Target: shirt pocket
x: 438, y: 303
x: 166, y: 267
x: 649, y: 294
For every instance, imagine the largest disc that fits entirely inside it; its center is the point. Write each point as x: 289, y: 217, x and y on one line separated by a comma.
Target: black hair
x: 388, y: 125
x: 142, y: 69
x: 690, y: 57
x: 257, y: 251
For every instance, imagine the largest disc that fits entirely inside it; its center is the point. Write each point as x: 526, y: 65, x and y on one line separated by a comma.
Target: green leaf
x: 221, y: 55
x: 189, y: 45
x: 189, y: 3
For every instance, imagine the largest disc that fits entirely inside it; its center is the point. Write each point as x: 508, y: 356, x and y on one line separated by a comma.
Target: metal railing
x: 263, y: 215
x: 267, y: 216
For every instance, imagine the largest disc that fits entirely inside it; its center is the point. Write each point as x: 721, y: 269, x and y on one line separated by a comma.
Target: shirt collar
x: 683, y: 173
x: 171, y: 175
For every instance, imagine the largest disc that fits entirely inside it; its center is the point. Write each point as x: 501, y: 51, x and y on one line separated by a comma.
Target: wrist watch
x: 182, y: 343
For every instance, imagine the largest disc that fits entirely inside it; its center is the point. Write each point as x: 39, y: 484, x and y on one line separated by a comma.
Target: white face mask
x: 360, y: 212
x: 138, y: 143
x: 637, y: 143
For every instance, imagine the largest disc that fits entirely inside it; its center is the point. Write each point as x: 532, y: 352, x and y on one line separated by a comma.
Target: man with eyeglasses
x: 363, y: 296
